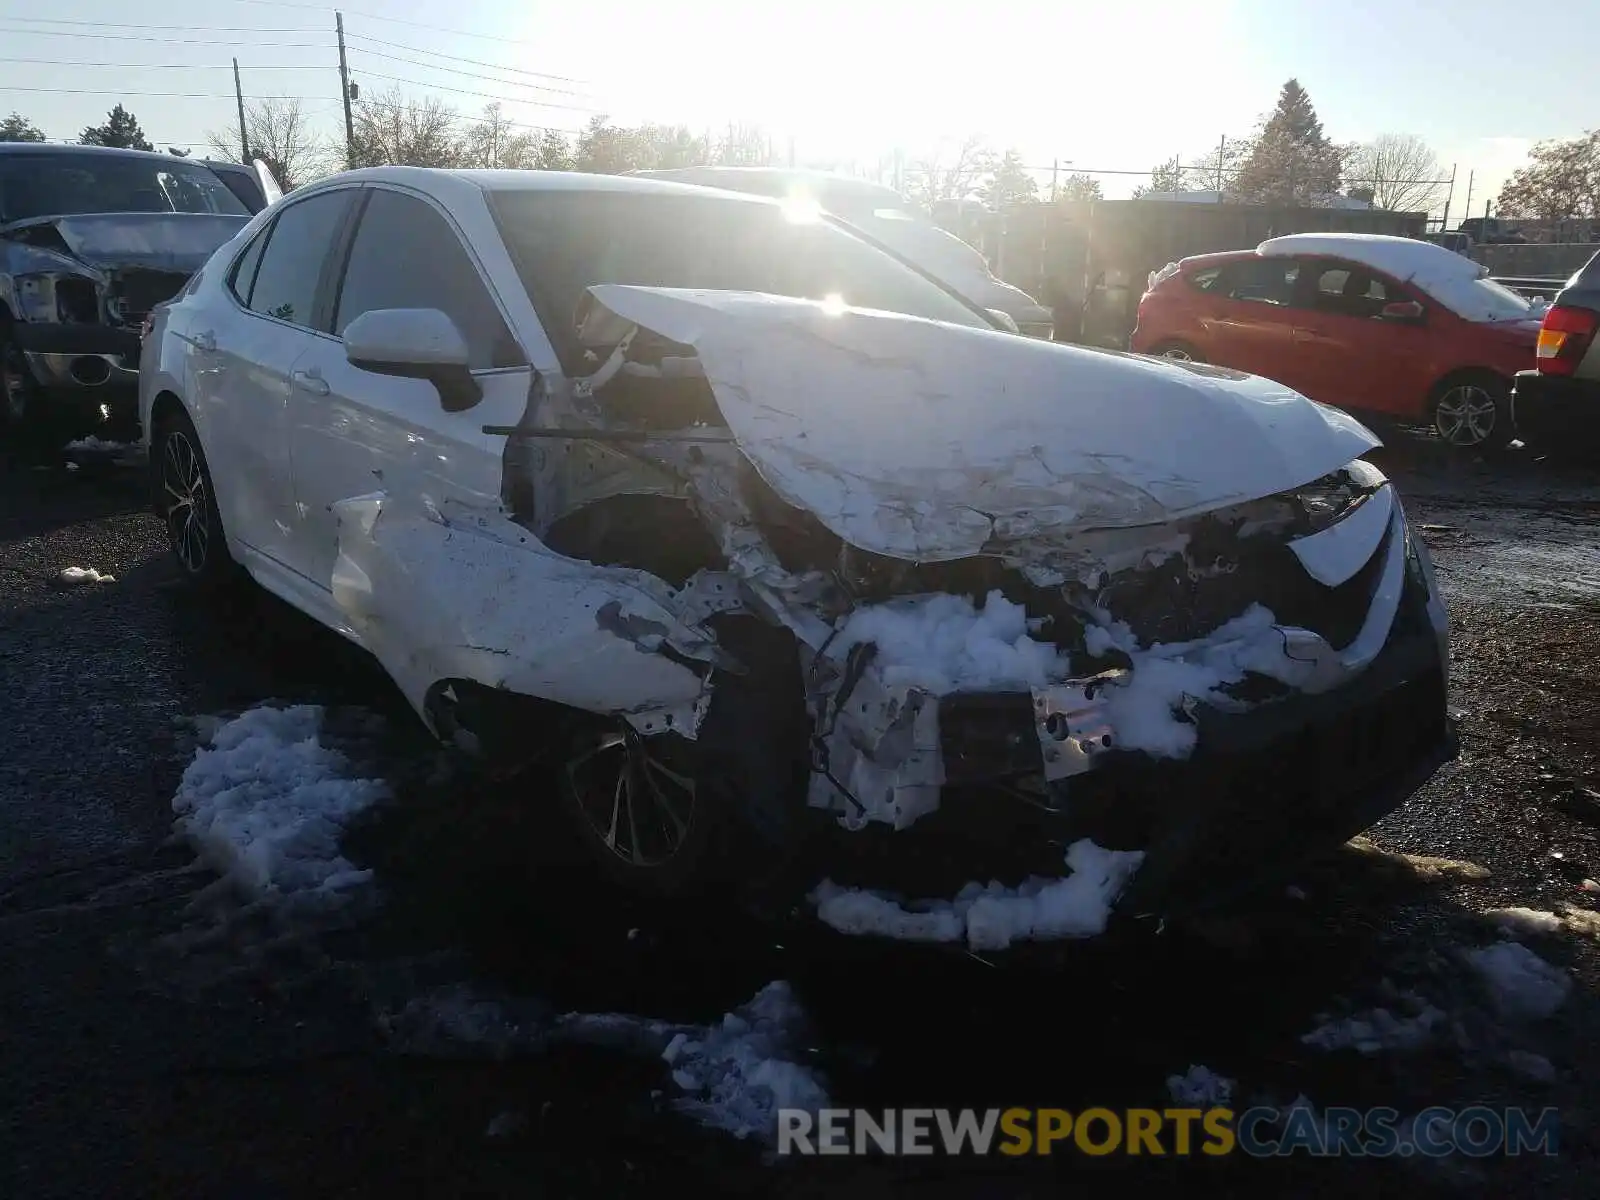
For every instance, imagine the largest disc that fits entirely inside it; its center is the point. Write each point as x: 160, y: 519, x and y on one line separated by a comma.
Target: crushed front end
x: 1170, y: 664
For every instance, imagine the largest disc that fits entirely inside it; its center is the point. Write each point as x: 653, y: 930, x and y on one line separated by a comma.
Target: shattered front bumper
x: 1263, y: 787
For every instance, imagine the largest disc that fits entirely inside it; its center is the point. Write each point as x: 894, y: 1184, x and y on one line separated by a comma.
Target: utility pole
x: 1222, y: 150
x: 344, y: 94
x: 1055, y: 175
x: 1467, y: 207
x: 244, y: 134
x: 1444, y: 221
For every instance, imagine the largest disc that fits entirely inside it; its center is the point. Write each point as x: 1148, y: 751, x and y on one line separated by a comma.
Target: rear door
x: 355, y: 432
x: 1349, y: 354
x: 1248, y: 319
x: 241, y: 366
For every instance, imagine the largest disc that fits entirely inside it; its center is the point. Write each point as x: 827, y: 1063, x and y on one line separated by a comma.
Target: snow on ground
x: 94, y: 445
x: 1521, y: 985
x: 1524, y: 920
x: 1200, y: 1087
x: 77, y: 575
x: 264, y: 802
x: 1143, y: 708
x: 733, y: 1075
x: 992, y: 917
x: 1377, y: 1029
x: 942, y: 642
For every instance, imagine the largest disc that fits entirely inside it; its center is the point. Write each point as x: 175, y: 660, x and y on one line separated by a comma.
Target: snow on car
x: 795, y: 567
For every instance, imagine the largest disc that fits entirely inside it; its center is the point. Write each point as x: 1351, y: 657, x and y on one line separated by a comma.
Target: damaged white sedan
x: 786, y: 557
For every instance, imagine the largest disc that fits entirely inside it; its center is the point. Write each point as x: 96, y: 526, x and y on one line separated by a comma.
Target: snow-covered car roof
x: 1457, y: 282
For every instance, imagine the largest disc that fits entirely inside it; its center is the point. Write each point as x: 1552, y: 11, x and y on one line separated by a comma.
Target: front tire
x: 187, y: 502
x: 1177, y: 352
x: 1473, y: 412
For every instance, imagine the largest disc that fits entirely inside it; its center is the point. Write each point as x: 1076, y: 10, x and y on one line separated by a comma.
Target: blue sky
x: 1090, y: 84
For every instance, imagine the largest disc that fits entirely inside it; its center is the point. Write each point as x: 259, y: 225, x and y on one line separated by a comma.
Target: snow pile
x: 1521, y: 985
x: 77, y: 575
x: 1200, y: 1087
x: 94, y: 445
x: 992, y: 917
x: 942, y: 643
x: 739, y: 1073
x: 1524, y: 920
x: 733, y: 1076
x: 1378, y: 1029
x: 1143, y: 706
x: 265, y: 804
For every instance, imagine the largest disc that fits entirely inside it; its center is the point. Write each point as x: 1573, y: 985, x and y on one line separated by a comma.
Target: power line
x: 129, y: 37
x: 417, y: 62
x: 487, y: 37
x: 477, y: 62
x: 54, y: 62
x: 142, y: 25
x: 482, y: 95
x: 171, y: 95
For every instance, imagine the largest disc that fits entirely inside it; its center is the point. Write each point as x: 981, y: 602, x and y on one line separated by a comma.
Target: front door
x: 355, y: 432
x: 1352, y: 356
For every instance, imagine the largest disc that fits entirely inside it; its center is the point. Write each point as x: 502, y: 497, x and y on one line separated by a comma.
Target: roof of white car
x: 1403, y: 258
x: 440, y: 182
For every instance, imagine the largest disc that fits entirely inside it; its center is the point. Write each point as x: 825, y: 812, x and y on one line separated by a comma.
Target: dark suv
x: 90, y: 239
x: 1557, y: 404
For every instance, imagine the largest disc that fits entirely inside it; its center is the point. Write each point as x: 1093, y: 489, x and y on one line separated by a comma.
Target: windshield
x: 565, y: 242
x: 55, y: 185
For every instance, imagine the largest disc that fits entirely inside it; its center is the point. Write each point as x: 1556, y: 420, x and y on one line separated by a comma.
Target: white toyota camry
x: 768, y: 541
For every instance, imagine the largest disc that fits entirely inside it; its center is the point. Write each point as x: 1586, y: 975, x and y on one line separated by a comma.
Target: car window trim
x: 322, y: 276
x: 465, y: 243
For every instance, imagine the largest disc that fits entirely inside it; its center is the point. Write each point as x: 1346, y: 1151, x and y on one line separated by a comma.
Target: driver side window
x: 1349, y: 290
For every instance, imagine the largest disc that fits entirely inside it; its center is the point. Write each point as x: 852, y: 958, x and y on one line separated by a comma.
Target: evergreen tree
x: 1291, y: 161
x: 17, y: 128
x: 121, y: 129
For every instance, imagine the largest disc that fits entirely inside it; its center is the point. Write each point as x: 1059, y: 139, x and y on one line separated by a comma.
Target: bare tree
x: 281, y: 136
x: 1077, y: 187
x: 1561, y: 180
x: 1401, y: 170
x: 402, y: 130
x: 554, y: 152
x: 493, y: 142
x: 745, y: 146
x: 931, y: 181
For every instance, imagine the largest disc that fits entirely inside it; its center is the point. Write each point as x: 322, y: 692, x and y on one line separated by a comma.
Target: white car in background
x: 883, y: 215
x: 764, y: 536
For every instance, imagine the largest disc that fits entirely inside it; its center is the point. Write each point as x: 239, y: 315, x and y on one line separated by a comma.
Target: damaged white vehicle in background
x: 797, y: 570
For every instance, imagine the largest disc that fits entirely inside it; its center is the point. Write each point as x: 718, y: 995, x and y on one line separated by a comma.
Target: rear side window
x: 405, y: 255
x: 1261, y: 280
x: 298, y: 248
x: 243, y: 277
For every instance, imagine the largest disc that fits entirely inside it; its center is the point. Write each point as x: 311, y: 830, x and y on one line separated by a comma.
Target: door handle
x: 310, y: 381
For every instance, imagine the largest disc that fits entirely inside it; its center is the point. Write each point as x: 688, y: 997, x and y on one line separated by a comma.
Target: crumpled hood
x: 158, y: 241
x: 926, y: 441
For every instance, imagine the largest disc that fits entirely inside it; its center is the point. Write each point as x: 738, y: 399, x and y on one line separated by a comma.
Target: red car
x: 1389, y: 326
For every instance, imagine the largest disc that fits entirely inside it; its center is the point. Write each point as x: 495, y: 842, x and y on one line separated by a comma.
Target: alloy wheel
x: 1177, y: 354
x: 1466, y: 415
x: 184, y: 495
x: 636, y: 794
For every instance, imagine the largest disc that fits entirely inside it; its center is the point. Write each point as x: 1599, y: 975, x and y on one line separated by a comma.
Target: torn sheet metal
x: 930, y: 442
x: 453, y: 595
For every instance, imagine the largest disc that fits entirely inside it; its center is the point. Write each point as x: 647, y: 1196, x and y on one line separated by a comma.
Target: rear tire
x: 1177, y: 351
x: 186, y: 502
x: 1473, y: 412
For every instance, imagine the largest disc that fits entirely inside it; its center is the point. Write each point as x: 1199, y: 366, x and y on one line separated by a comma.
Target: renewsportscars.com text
x: 1477, y: 1132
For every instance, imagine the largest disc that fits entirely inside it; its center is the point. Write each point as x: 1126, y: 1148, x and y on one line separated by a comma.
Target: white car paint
x: 359, y: 498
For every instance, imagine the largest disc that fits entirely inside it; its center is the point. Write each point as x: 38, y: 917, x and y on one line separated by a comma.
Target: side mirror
x: 414, y: 343
x: 1404, y: 311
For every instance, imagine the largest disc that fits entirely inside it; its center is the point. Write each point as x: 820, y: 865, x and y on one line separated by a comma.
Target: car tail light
x: 1564, y: 338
